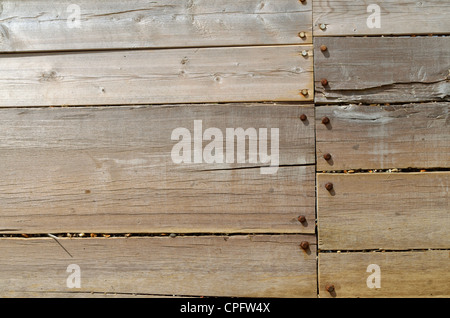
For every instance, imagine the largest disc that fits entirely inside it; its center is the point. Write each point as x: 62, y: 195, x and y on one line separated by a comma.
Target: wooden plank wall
x: 382, y: 147
x: 89, y: 119
x: 334, y: 184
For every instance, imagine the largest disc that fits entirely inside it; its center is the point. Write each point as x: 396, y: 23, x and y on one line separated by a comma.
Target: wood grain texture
x: 349, y: 17
x: 41, y: 25
x: 110, y: 170
x: 277, y: 73
x: 383, y: 211
x: 384, y: 137
x: 382, y: 70
x: 186, y: 266
x: 403, y: 274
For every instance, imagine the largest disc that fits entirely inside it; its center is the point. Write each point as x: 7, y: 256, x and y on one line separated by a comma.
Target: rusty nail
x: 303, y: 117
x: 304, y: 53
x: 302, y: 1
x: 329, y: 186
x: 323, y: 48
x: 324, y: 82
x: 322, y: 26
x: 301, y: 34
x: 327, y: 156
x: 325, y: 120
x: 304, y: 245
x: 302, y: 219
x: 304, y: 92
x: 329, y: 288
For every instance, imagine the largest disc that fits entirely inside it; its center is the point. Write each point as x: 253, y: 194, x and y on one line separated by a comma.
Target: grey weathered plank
x: 349, y: 17
x: 403, y: 274
x: 275, y: 73
x: 255, y: 266
x: 41, y: 25
x: 383, y: 137
x: 383, y: 210
x: 109, y: 169
x: 382, y: 70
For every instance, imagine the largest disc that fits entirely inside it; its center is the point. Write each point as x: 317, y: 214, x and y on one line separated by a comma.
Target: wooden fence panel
x: 382, y: 69
x: 251, y: 266
x: 383, y: 211
x: 41, y: 25
x: 383, y: 137
x: 111, y: 170
x: 402, y: 274
x: 358, y: 18
x: 276, y: 73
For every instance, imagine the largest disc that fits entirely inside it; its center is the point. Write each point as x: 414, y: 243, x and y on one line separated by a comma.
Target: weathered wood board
x: 349, y: 17
x: 383, y: 210
x: 402, y: 274
x: 275, y: 73
x: 382, y: 69
x: 42, y: 25
x: 254, y: 266
x: 383, y: 137
x: 111, y: 170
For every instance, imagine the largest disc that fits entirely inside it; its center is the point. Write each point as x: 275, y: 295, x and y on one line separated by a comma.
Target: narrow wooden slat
x: 402, y: 274
x: 349, y: 17
x: 109, y: 169
x: 197, y: 266
x: 383, y: 137
x: 41, y: 25
x: 382, y: 70
x: 383, y: 210
x: 157, y: 76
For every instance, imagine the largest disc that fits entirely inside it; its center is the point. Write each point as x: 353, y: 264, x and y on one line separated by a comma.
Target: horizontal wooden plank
x: 277, y: 73
x: 402, y: 274
x: 383, y: 137
x: 383, y: 210
x: 111, y: 170
x: 191, y: 265
x: 349, y: 17
x: 41, y: 25
x: 382, y: 69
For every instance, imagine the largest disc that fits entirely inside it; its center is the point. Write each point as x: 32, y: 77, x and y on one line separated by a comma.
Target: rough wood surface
x: 384, y: 210
x: 109, y: 169
x: 254, y: 266
x: 41, y: 25
x: 382, y: 70
x: 349, y: 17
x: 275, y: 73
x: 384, y: 137
x: 403, y: 274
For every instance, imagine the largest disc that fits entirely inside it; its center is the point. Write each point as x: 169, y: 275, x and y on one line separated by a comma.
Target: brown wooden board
x: 254, y: 266
x: 382, y: 69
x: 383, y: 211
x: 402, y: 274
x: 41, y: 25
x: 383, y: 137
x: 358, y: 18
x: 272, y: 73
x: 111, y: 170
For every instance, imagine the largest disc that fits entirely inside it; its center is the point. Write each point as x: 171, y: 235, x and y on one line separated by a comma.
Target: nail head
x: 302, y: 219
x: 304, y: 245
x: 303, y: 117
x: 304, y: 53
x: 301, y: 34
x: 327, y: 156
x: 329, y: 288
x: 304, y: 92
x: 329, y: 186
x: 323, y: 48
x: 324, y: 82
x: 322, y: 26
x: 325, y: 120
